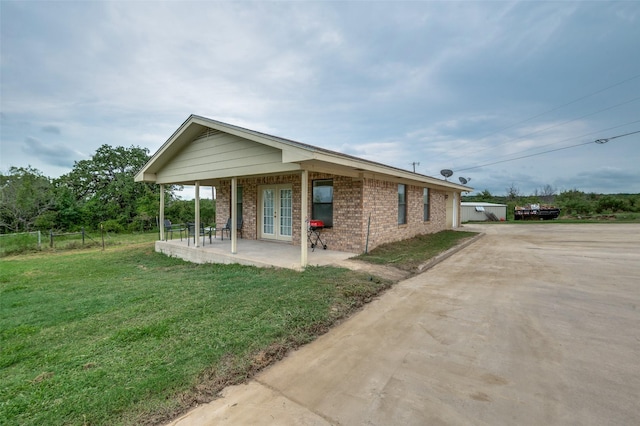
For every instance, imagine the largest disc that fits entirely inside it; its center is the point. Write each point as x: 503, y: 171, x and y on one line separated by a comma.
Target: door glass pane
x: 267, y: 209
x: 286, y: 210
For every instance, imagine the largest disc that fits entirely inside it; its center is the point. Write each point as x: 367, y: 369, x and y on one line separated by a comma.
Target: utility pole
x: 414, y: 164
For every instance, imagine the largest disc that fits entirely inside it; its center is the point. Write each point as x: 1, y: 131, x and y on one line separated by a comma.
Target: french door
x: 276, y: 212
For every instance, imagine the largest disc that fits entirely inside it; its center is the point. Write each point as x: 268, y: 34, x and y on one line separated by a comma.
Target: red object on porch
x: 316, y: 223
x: 313, y: 234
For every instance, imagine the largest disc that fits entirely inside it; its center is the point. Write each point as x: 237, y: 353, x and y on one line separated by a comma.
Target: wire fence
x: 19, y: 242
x: 33, y: 241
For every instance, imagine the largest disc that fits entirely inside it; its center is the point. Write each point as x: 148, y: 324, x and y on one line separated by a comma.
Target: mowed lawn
x: 130, y: 336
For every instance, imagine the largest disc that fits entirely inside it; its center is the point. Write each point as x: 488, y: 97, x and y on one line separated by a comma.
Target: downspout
x: 366, y: 246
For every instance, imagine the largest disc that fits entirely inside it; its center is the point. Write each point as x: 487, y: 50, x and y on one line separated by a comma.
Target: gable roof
x: 294, y: 156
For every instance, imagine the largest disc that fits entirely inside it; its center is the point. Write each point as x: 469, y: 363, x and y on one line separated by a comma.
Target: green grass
x: 409, y: 254
x: 130, y: 336
x: 16, y: 244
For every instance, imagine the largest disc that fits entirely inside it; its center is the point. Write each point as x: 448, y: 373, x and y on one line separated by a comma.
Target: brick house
x: 275, y: 185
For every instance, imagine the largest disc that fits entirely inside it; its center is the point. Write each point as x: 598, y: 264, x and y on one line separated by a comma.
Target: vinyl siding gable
x: 219, y: 154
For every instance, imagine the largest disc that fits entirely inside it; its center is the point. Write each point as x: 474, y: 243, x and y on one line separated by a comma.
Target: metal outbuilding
x: 483, y: 212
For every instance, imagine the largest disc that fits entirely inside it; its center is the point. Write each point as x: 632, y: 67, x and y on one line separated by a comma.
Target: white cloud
x: 448, y: 84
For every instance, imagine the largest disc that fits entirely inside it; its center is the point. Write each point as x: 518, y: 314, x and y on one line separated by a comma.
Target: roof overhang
x: 305, y: 157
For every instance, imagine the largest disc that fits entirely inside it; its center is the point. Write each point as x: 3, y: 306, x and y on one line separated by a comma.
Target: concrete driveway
x: 532, y: 324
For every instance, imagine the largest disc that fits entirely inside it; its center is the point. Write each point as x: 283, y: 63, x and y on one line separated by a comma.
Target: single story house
x: 274, y: 186
x: 483, y: 212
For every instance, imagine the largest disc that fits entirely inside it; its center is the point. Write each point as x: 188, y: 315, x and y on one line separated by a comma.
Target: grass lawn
x: 130, y: 336
x: 409, y: 254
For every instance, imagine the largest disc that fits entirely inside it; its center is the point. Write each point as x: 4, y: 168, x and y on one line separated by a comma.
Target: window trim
x: 426, y: 203
x: 314, y: 203
x: 402, y: 213
x: 239, y: 202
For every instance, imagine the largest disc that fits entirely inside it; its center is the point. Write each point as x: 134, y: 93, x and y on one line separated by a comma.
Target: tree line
x: 99, y: 191
x: 572, y: 202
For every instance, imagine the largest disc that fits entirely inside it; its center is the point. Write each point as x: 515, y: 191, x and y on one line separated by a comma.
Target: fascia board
x: 167, y: 150
x: 390, y: 172
x: 212, y: 175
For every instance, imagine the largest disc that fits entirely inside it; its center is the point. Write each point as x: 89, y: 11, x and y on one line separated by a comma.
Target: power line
x: 555, y: 109
x: 565, y: 140
x: 598, y: 141
x: 564, y: 105
x: 434, y: 174
x: 559, y: 124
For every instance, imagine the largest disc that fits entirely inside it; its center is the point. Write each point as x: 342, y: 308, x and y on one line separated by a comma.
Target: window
x: 425, y: 197
x: 238, y: 204
x: 323, y: 201
x: 402, y: 204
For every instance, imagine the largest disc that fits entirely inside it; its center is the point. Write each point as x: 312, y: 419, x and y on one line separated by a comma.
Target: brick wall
x: 354, y: 201
x: 250, y: 208
x: 381, y: 201
x: 346, y: 234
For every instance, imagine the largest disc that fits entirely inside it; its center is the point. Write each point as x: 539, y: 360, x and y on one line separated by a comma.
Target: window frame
x: 402, y: 204
x: 426, y: 203
x: 314, y: 203
x: 239, y: 202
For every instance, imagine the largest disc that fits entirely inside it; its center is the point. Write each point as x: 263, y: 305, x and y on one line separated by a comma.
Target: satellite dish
x: 463, y: 180
x: 446, y: 173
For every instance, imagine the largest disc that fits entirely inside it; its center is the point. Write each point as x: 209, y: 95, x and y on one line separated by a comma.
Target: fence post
x: 83, y: 235
x: 39, y: 239
x: 51, y: 238
x: 102, y: 235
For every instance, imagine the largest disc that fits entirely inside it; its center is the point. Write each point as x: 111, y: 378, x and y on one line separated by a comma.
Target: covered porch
x: 269, y: 188
x: 258, y: 253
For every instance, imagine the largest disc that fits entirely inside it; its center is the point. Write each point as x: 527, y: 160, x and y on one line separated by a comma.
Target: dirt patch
x: 42, y: 377
x: 386, y: 272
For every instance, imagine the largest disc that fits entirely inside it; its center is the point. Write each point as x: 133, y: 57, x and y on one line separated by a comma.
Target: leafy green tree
x: 182, y: 211
x: 575, y: 202
x: 68, y: 209
x: 610, y: 203
x: 485, y: 196
x: 104, y: 185
x: 26, y: 200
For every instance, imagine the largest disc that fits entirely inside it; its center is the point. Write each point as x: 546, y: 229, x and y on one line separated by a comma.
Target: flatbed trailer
x: 536, y: 212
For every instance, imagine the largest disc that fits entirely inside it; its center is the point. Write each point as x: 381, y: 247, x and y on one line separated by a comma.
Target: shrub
x: 112, y: 225
x: 608, y: 203
x: 11, y: 244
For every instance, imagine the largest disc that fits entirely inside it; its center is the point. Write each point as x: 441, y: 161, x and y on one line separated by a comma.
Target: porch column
x: 196, y: 226
x: 234, y: 215
x: 161, y: 224
x: 456, y: 206
x: 304, y: 195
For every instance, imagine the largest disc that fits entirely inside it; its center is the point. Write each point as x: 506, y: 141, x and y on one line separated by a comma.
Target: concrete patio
x: 259, y: 253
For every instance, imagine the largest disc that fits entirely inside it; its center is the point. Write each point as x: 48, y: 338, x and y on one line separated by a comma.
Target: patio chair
x: 191, y: 232
x: 170, y: 228
x: 227, y: 228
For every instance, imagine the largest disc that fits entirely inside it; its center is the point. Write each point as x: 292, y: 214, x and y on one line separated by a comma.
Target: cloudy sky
x: 468, y: 86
